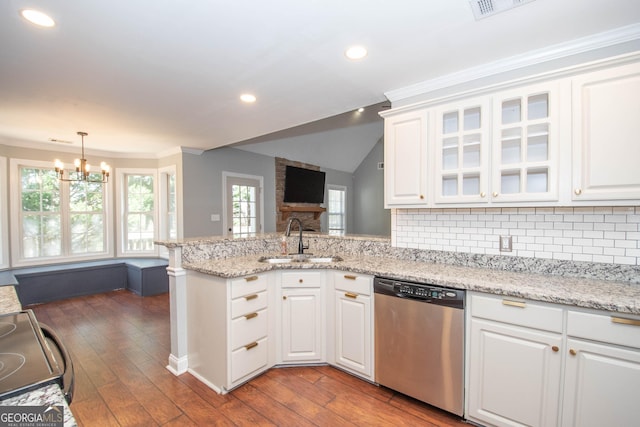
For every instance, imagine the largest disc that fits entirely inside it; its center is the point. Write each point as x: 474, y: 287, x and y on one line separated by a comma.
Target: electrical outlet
x: 506, y: 243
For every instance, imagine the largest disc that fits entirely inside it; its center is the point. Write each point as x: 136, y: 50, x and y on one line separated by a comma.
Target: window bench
x: 144, y: 276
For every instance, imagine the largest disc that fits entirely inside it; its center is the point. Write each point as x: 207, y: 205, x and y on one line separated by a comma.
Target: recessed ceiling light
x: 248, y: 98
x: 356, y: 52
x: 37, y: 17
x: 360, y: 110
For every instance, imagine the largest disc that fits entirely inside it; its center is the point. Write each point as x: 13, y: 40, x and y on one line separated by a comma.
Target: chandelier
x: 82, y: 172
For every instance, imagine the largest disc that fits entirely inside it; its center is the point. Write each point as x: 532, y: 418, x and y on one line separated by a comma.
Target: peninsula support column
x: 178, y: 359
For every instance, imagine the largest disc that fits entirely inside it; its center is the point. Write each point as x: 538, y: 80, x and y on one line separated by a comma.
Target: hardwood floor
x: 120, y: 343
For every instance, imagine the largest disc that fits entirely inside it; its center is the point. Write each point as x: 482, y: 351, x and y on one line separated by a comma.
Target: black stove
x: 30, y: 356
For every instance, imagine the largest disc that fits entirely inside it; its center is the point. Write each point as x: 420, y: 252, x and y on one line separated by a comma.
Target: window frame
x: 4, y: 216
x: 121, y: 174
x: 343, y: 189
x: 163, y: 207
x: 17, y: 260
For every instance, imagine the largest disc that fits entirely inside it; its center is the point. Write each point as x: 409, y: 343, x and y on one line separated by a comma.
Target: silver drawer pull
x: 250, y: 346
x: 250, y: 315
x: 250, y: 297
x: 625, y: 321
x: 519, y: 304
x: 251, y: 278
x: 350, y: 295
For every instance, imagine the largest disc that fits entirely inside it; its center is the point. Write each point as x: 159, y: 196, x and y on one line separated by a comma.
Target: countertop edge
x: 619, y: 297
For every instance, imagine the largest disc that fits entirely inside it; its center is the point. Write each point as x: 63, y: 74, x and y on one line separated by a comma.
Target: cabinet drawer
x: 248, y: 285
x: 353, y: 283
x: 248, y: 359
x: 302, y: 279
x: 248, y: 303
x: 249, y: 328
x: 610, y: 328
x: 517, y: 312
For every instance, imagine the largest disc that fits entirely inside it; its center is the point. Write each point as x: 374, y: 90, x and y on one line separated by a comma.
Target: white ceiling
x: 147, y: 76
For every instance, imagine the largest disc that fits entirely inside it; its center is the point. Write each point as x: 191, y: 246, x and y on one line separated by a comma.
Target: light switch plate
x: 506, y: 244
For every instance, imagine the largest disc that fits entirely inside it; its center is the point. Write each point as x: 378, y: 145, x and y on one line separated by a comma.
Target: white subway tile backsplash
x: 593, y: 234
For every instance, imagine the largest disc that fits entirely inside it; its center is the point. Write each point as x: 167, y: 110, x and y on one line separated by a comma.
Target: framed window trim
x: 163, y: 207
x: 343, y: 189
x: 225, y: 220
x: 15, y: 221
x: 121, y: 182
x: 4, y: 216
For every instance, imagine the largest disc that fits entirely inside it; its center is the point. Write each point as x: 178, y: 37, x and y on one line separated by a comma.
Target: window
x: 54, y: 220
x: 168, y: 204
x: 337, y: 210
x: 138, y: 225
x: 167, y: 207
x: 243, y: 197
x: 4, y: 215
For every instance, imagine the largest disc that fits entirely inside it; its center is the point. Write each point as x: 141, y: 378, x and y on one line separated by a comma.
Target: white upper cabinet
x: 405, y: 160
x: 525, y: 144
x: 462, y: 147
x: 606, y: 134
x: 569, y: 138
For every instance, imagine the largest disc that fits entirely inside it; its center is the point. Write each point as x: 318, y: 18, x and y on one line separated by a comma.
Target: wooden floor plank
x: 120, y: 343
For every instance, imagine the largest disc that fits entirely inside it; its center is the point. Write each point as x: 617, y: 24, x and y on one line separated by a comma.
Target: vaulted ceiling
x: 147, y: 76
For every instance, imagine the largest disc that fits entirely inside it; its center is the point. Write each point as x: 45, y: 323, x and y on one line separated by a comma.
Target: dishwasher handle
x: 385, y: 287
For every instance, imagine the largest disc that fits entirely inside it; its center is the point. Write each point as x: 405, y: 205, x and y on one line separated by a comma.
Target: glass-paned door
x: 243, y: 206
x: 525, y: 143
x: 462, y: 157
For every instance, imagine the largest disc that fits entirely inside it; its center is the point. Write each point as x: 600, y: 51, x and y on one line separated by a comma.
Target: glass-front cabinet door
x: 525, y: 145
x: 462, y: 152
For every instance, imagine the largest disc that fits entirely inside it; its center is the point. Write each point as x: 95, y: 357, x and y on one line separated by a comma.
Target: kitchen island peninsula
x: 239, y: 307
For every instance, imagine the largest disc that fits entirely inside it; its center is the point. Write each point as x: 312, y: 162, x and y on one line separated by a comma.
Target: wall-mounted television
x: 303, y: 185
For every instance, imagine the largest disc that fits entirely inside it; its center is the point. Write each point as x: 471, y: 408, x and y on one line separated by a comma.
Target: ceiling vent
x: 483, y: 8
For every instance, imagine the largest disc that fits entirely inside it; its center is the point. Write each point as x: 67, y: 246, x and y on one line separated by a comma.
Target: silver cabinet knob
x: 578, y: 191
x: 483, y: 194
x: 495, y: 194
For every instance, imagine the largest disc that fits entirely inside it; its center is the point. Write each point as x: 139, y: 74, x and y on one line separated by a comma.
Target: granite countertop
x: 590, y: 293
x: 50, y: 395
x: 9, y: 302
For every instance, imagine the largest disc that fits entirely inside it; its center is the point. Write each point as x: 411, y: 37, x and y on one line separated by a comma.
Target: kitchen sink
x: 310, y: 258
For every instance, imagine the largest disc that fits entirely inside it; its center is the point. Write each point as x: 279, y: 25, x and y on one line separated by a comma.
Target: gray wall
x: 202, y: 187
x: 370, y: 216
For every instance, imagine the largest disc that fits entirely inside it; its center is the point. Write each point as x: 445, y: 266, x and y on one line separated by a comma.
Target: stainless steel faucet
x: 301, y: 246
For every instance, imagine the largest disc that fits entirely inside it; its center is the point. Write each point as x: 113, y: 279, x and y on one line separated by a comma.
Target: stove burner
x: 10, y: 363
x: 6, y: 328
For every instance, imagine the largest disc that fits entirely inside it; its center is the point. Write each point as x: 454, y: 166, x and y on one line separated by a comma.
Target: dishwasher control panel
x: 418, y: 291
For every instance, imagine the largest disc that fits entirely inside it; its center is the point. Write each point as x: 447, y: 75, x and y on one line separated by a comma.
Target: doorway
x: 243, y: 199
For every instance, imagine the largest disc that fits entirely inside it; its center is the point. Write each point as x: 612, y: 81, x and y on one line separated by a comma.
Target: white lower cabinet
x: 353, y: 323
x: 229, y: 326
x: 539, y: 364
x: 602, y: 374
x: 514, y: 370
x: 302, y: 316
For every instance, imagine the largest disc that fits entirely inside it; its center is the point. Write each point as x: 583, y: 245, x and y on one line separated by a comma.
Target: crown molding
x: 554, y: 52
x: 190, y: 150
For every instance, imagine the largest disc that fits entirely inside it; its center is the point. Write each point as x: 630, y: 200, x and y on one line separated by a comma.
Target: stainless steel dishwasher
x: 419, y: 341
